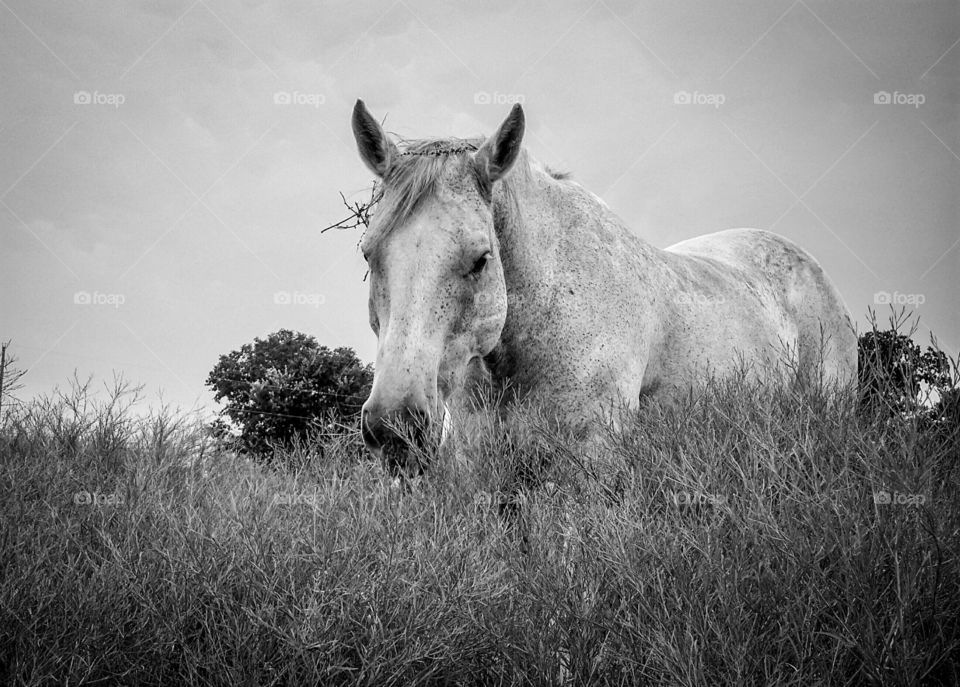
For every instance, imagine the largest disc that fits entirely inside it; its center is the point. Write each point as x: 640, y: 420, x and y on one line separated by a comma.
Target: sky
x: 168, y: 166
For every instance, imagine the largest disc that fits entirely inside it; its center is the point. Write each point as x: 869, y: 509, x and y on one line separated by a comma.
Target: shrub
x: 286, y: 388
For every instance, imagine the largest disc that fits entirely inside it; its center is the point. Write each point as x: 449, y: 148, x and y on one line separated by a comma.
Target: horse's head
x: 438, y: 300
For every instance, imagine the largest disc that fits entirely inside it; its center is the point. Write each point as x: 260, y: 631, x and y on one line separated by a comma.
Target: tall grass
x: 747, y: 534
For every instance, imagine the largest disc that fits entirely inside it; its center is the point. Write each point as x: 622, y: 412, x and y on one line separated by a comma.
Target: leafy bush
x: 286, y: 387
x: 892, y: 369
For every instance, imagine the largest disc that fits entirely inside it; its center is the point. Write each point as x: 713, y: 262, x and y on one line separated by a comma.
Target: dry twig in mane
x: 359, y: 214
x: 359, y: 211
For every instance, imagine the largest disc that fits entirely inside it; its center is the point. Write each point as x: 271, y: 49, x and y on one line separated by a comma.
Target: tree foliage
x: 277, y: 389
x: 899, y: 379
x: 892, y: 369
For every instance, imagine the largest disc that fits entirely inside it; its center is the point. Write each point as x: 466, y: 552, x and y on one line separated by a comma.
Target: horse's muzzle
x: 401, y: 438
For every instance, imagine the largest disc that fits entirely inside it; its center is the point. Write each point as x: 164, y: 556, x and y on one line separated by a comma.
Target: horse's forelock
x: 414, y: 176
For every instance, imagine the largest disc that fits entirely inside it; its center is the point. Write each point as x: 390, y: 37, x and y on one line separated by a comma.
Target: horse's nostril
x: 409, y: 426
x: 370, y: 428
x: 401, y: 439
x: 369, y: 436
x: 418, y: 420
x: 400, y: 460
x: 403, y: 426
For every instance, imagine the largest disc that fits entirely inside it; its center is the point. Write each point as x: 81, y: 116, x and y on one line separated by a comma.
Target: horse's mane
x: 416, y: 174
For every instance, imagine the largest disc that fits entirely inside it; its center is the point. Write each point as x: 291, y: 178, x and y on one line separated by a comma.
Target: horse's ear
x: 500, y: 151
x: 376, y: 150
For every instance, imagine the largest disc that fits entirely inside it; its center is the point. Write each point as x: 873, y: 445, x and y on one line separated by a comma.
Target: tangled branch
x: 360, y: 211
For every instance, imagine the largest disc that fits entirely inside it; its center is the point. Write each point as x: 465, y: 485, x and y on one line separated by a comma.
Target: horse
x: 480, y: 258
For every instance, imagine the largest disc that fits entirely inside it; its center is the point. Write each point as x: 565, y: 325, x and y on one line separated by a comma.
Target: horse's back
x: 786, y: 285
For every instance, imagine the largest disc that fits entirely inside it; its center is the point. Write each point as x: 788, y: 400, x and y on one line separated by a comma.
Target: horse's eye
x: 478, y: 266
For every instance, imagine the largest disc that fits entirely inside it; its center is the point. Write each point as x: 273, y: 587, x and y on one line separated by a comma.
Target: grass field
x: 746, y: 535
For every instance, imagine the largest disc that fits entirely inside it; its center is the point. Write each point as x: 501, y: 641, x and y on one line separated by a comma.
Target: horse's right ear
x: 376, y: 150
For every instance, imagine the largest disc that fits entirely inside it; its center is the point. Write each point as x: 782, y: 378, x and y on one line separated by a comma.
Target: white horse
x: 479, y: 256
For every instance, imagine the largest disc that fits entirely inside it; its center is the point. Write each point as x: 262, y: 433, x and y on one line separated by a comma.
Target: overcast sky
x: 168, y: 166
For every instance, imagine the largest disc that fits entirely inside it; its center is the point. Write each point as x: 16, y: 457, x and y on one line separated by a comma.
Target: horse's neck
x: 527, y: 231
x: 549, y: 231
x: 542, y: 224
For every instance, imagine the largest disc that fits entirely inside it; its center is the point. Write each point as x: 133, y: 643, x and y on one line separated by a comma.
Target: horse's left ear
x: 500, y: 151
